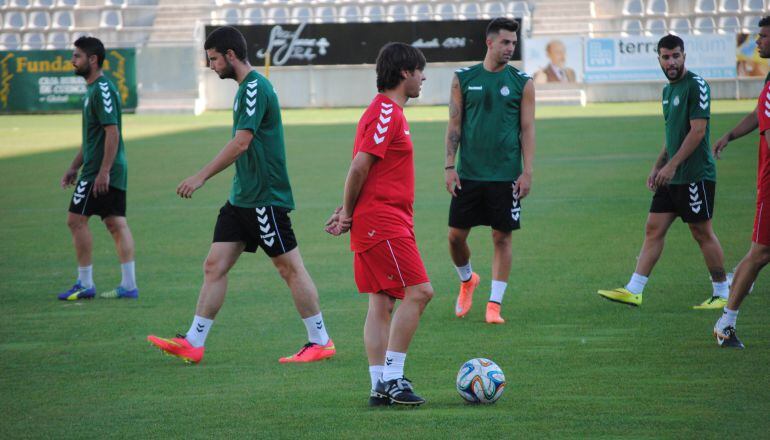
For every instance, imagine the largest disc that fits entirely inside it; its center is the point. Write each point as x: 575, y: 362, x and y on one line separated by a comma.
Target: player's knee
x: 212, y: 268
x: 424, y: 294
x: 113, y: 227
x: 455, y: 239
x: 501, y: 240
x: 760, y: 255
x: 75, y: 223
x: 700, y: 234
x: 654, y: 231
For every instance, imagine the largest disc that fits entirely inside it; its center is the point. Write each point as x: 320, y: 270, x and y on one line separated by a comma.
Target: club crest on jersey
x: 505, y: 91
x: 676, y: 101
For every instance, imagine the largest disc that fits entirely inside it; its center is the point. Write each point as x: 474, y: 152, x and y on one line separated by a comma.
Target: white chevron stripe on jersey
x: 382, y: 126
x: 382, y: 129
x: 251, y: 91
x: 386, y: 105
x: 384, y: 120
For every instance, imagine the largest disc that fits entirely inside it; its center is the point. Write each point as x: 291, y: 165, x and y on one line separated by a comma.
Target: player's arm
x: 524, y: 182
x: 111, y: 140
x: 72, y: 172
x: 357, y: 174
x: 453, y: 132
x: 237, y: 146
x: 660, y: 162
x: 748, y: 124
x: 690, y: 143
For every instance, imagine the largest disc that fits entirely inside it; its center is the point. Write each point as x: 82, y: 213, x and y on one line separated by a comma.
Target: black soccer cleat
x: 375, y: 399
x: 398, y: 391
x: 727, y: 338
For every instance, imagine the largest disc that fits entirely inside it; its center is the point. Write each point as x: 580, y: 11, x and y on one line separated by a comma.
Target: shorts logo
x: 515, y: 208
x: 695, y: 201
x: 390, y: 277
x: 79, y: 192
x: 264, y: 227
x: 505, y: 91
x: 371, y: 233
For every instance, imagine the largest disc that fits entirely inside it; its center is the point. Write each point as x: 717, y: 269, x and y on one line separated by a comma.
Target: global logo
x: 505, y: 91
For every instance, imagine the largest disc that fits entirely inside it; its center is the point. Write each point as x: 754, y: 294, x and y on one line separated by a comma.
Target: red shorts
x: 389, y: 267
x: 761, y: 234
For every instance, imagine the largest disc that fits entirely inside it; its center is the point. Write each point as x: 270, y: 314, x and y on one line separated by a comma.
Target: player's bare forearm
x: 357, y: 174
x: 237, y: 146
x: 77, y: 162
x: 748, y: 124
x: 454, y: 126
x: 660, y: 162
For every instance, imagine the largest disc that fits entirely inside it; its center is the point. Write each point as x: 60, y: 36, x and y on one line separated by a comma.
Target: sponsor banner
x: 635, y: 58
x: 359, y: 43
x: 43, y: 80
x: 749, y: 63
x: 554, y: 60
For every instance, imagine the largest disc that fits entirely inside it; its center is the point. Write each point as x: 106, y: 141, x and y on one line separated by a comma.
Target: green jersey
x: 101, y: 107
x: 688, y: 98
x: 490, y: 145
x: 260, y: 172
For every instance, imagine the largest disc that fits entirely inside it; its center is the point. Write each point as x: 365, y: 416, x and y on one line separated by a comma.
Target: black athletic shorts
x: 485, y: 203
x: 268, y: 227
x: 84, y: 202
x: 693, y: 202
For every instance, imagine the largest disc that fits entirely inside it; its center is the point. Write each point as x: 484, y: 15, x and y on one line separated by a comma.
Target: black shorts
x: 693, y: 202
x: 105, y: 205
x: 485, y: 203
x: 268, y: 227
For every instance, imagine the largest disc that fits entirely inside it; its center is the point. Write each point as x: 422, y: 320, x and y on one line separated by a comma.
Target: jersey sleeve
x: 251, y: 108
x: 380, y: 131
x: 763, y: 110
x: 105, y: 104
x: 699, y: 99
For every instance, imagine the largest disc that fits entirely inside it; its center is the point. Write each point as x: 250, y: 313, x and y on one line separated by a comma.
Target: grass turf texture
x: 577, y: 366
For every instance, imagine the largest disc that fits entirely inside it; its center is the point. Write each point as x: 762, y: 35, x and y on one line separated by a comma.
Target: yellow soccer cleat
x: 715, y: 302
x: 622, y: 295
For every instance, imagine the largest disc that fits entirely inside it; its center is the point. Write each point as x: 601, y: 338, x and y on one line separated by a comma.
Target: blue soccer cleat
x: 120, y: 292
x: 78, y: 292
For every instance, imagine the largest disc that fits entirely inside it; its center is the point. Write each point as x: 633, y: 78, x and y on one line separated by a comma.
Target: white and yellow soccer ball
x: 480, y: 381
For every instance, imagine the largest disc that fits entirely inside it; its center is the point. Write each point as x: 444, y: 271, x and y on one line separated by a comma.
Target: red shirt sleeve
x: 380, y: 131
x: 763, y: 109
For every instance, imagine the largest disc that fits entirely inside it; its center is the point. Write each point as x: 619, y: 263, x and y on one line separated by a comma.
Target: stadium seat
x: 111, y: 19
x: 470, y: 11
x: 633, y: 7
x: 493, y: 10
x: 705, y: 25
x: 750, y: 23
x: 349, y: 14
x: 301, y: 14
x: 57, y: 40
x: 278, y: 15
x: 325, y: 14
x: 706, y: 7
x: 421, y: 12
x: 445, y: 11
x: 228, y: 3
x: 15, y: 20
x: 729, y: 25
x: 66, y: 3
x: 632, y: 27
x: 63, y: 20
x: 10, y: 41
x: 228, y: 16
x: 754, y: 5
x: 44, y: 3
x: 253, y: 16
x: 33, y: 41
x: 374, y: 13
x: 398, y: 12
x: 115, y: 3
x: 519, y: 9
x: 19, y: 4
x: 680, y: 26
x: 657, y: 7
x: 730, y: 6
x: 39, y: 20
x: 655, y: 27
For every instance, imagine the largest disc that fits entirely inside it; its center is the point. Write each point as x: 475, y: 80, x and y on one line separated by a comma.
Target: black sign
x: 359, y: 43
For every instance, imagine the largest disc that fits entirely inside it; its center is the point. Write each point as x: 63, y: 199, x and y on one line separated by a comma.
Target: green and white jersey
x: 490, y: 146
x: 101, y: 107
x: 260, y: 177
x: 686, y: 99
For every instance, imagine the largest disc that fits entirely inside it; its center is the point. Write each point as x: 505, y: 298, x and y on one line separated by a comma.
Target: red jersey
x: 384, y: 207
x: 763, y: 117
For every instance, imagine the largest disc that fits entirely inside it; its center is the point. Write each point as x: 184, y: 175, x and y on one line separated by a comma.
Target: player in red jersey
x: 377, y: 209
x: 759, y: 252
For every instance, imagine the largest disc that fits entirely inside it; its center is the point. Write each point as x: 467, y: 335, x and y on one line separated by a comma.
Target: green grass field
x: 577, y: 366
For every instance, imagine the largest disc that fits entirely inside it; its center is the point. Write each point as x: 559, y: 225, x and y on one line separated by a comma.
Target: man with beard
x: 492, y: 124
x: 257, y: 212
x: 683, y: 179
x: 101, y: 187
x: 759, y: 252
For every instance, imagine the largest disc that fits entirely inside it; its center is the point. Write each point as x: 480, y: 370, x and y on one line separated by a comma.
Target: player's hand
x: 189, y: 185
x: 69, y: 178
x: 665, y: 175
x: 651, y: 179
x: 331, y: 225
x: 522, y: 185
x: 720, y: 145
x: 452, y: 180
x: 344, y: 222
x: 101, y: 183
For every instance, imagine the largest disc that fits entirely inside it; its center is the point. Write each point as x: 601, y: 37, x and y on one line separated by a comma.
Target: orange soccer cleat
x: 178, y: 347
x: 311, y: 352
x: 493, y: 313
x: 465, y: 298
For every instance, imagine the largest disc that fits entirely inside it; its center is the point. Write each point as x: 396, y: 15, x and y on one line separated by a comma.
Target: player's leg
x: 501, y: 270
x: 376, y: 331
x: 464, y: 212
x: 124, y: 245
x: 704, y: 235
x: 303, y: 291
x: 83, y: 242
x: 504, y: 210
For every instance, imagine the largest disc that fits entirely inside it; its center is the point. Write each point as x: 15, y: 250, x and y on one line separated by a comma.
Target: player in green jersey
x: 683, y: 179
x: 492, y: 124
x: 257, y: 212
x: 101, y: 187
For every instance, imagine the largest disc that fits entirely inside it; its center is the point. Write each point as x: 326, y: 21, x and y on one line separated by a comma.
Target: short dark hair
x: 91, y: 46
x: 393, y: 59
x: 507, y: 24
x: 764, y: 21
x: 670, y: 42
x: 227, y: 38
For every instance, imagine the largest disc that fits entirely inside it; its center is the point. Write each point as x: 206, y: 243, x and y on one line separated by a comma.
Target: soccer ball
x: 480, y: 381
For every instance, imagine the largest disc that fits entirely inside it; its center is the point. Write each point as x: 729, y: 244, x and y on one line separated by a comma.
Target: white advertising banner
x: 554, y: 60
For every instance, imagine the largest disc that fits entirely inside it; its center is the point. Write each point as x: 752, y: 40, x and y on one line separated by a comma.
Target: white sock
x: 86, y: 276
x: 375, y: 374
x: 728, y: 318
x: 721, y: 289
x: 636, y: 284
x: 394, y: 365
x: 465, y: 272
x: 129, y: 277
x: 199, y: 330
x: 316, y: 329
x: 498, y: 290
